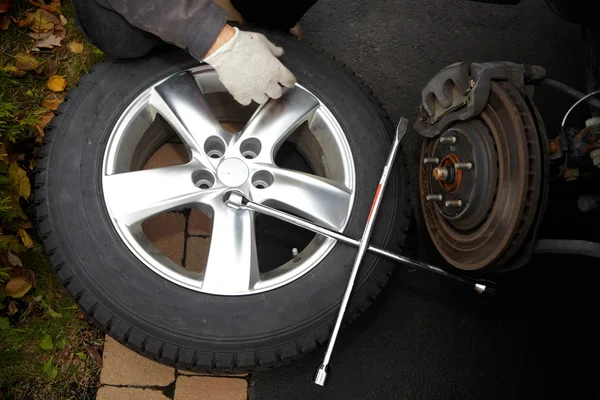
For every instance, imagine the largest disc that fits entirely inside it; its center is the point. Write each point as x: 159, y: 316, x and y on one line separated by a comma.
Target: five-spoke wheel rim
x: 220, y: 162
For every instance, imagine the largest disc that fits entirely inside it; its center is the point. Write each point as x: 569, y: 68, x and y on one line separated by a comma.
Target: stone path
x: 127, y: 375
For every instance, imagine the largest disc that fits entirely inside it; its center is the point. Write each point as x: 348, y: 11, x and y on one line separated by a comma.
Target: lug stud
x: 454, y: 203
x: 467, y: 166
x: 431, y: 160
x: 448, y: 139
x: 434, y: 197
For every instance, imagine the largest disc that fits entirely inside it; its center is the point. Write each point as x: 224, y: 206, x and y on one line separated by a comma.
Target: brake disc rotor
x: 480, y: 182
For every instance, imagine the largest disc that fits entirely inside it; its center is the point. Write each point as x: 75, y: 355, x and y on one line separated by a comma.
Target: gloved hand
x: 248, y: 67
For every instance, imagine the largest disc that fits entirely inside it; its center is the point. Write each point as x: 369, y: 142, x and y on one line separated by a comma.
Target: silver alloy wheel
x: 220, y: 162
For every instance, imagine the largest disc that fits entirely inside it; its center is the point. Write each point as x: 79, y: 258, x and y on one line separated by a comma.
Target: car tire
x: 174, y: 325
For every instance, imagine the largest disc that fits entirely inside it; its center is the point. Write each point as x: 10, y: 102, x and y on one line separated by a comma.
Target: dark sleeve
x: 190, y: 24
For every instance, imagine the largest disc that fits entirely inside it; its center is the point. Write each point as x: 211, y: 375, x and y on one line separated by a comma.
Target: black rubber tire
x: 181, y: 327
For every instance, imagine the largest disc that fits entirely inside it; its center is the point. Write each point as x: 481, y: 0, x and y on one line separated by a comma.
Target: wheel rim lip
x: 319, y: 247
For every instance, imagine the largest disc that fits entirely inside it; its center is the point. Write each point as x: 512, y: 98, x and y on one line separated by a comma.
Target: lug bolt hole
x: 203, y: 179
x: 250, y: 148
x: 214, y: 147
x: 262, y: 179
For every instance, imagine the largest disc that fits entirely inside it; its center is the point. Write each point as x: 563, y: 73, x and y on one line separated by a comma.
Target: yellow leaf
x: 18, y: 178
x: 43, y: 21
x: 17, y: 287
x: 11, y: 242
x: 76, y: 47
x: 52, y: 101
x: 63, y: 20
x: 26, y: 62
x: 11, y: 69
x: 27, y: 240
x: 57, y: 83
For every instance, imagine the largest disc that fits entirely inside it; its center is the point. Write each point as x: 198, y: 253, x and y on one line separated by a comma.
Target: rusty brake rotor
x: 480, y: 182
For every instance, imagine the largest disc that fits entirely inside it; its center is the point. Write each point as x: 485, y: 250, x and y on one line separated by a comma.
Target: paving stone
x: 210, y: 388
x: 199, y: 223
x: 127, y: 393
x: 196, y: 253
x: 167, y: 233
x: 122, y: 366
x: 168, y: 154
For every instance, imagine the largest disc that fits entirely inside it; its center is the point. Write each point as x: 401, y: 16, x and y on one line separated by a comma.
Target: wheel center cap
x: 232, y: 172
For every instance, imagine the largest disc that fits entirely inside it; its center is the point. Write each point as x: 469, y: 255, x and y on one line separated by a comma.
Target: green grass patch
x: 48, y: 350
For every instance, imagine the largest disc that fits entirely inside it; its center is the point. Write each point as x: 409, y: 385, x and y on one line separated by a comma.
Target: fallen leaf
x: 52, y: 7
x: 29, y: 277
x: 39, y: 70
x: 13, y: 308
x: 11, y: 242
x: 5, y: 23
x: 4, y: 324
x: 93, y: 352
x: 17, y: 287
x: 4, y: 6
x: 49, y: 42
x: 52, y: 66
x: 44, y: 120
x: 39, y: 35
x: 18, y: 178
x: 65, y: 359
x: 57, y: 83
x: 61, y: 53
x: 60, y: 31
x: 63, y: 20
x: 50, y: 370
x: 52, y: 101
x: 13, y: 259
x: 43, y: 21
x: 26, y: 62
x: 46, y: 342
x: 27, y: 241
x: 25, y: 21
x: 76, y: 47
x: 13, y: 70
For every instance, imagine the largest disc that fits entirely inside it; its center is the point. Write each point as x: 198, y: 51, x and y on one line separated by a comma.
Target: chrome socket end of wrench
x: 479, y: 288
x: 321, y: 375
x: 236, y: 200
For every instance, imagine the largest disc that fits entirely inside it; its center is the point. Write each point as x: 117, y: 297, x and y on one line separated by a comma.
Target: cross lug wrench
x: 238, y: 201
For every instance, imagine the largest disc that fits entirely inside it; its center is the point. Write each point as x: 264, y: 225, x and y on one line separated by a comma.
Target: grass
x: 64, y: 371
x: 47, y: 348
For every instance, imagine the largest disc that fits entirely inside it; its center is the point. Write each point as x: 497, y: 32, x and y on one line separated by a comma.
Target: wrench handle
x: 321, y: 375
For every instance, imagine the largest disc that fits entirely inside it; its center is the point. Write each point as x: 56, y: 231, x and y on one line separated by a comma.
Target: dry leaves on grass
x: 48, y: 42
x: 52, y: 101
x: 17, y: 287
x: 26, y: 62
x: 18, y: 178
x: 43, y: 21
x: 57, y: 83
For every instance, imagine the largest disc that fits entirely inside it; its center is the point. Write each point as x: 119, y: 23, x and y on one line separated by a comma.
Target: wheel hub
x: 480, y: 182
x: 233, y: 172
x: 466, y: 175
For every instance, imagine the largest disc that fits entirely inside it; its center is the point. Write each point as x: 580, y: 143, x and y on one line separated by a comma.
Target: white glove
x: 248, y: 67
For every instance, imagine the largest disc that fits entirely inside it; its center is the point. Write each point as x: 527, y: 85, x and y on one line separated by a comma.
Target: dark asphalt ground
x: 426, y: 338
